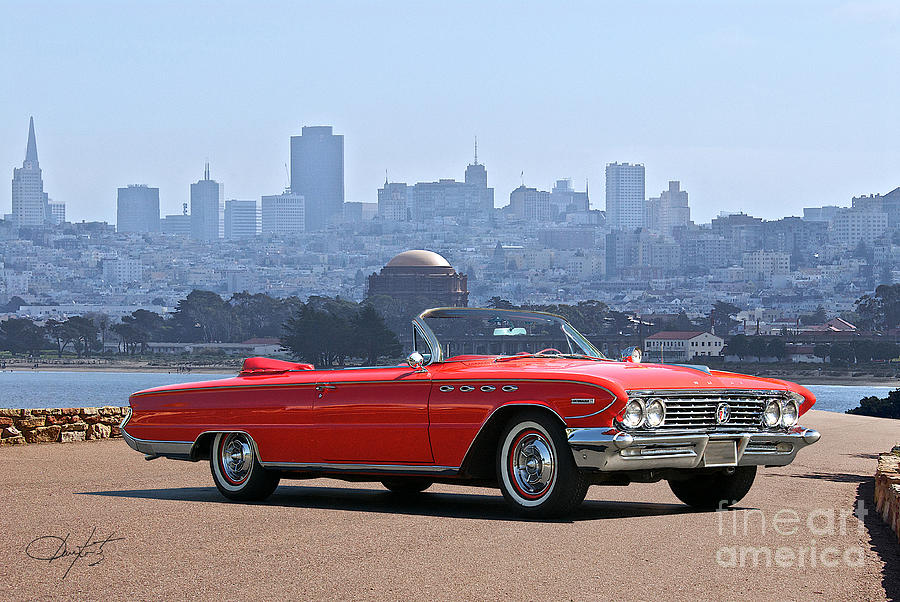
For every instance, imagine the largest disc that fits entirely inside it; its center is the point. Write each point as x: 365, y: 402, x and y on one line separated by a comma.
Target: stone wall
x: 887, y: 489
x: 59, y: 425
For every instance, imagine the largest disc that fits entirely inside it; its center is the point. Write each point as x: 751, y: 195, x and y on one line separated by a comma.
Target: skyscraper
x: 29, y: 201
x: 241, y: 219
x: 468, y: 200
x: 565, y: 199
x: 137, y: 209
x: 283, y: 213
x: 530, y: 204
x: 668, y: 211
x: 624, y: 196
x: 56, y: 213
x: 317, y: 173
x: 207, y: 203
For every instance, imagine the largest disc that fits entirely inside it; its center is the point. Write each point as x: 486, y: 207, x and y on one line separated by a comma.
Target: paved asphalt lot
x: 329, y: 539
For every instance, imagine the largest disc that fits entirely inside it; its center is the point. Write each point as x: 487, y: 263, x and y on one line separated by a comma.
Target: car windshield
x: 504, y: 333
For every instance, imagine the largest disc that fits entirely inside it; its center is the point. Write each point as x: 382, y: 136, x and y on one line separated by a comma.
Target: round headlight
x: 772, y: 414
x: 790, y: 413
x: 634, y: 414
x: 655, y: 413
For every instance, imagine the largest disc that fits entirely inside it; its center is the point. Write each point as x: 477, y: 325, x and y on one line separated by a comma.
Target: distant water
x: 840, y: 398
x: 38, y: 389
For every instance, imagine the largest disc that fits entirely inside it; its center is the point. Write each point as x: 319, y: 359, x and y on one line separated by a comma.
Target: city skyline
x: 748, y: 112
x: 328, y: 168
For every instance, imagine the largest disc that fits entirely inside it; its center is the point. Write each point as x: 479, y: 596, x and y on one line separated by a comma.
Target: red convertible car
x: 512, y: 399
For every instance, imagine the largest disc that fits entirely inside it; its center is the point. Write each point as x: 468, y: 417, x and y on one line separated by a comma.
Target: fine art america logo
x: 805, y: 530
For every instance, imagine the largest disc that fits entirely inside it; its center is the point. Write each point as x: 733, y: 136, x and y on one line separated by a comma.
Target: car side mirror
x: 631, y: 354
x: 416, y: 361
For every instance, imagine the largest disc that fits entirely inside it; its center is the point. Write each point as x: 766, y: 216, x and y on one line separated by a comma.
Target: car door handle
x: 322, y: 388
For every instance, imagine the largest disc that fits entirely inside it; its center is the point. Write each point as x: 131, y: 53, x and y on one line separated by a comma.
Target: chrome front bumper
x: 609, y: 449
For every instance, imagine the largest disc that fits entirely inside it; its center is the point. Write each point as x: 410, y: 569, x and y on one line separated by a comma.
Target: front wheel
x: 715, y: 490
x: 535, y: 467
x: 236, y: 469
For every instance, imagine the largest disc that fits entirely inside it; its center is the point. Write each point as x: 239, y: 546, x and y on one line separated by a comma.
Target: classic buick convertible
x: 511, y: 399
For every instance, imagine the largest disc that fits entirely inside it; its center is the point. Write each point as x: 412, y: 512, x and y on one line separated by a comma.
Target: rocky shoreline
x: 59, y: 425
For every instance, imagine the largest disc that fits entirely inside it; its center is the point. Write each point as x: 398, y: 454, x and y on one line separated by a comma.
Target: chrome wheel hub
x: 533, y: 464
x: 237, y: 457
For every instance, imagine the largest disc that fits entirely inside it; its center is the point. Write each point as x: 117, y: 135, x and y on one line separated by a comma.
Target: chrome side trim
x: 488, y: 388
x: 510, y: 388
x: 568, y: 381
x: 446, y: 388
x: 217, y: 431
x: 466, y: 388
x: 594, y: 413
x: 497, y: 409
x: 362, y: 468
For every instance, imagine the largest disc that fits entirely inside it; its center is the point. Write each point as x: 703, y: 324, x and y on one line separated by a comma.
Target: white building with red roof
x: 671, y: 345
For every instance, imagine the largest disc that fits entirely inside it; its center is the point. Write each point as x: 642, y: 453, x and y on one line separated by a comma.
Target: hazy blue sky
x: 764, y: 107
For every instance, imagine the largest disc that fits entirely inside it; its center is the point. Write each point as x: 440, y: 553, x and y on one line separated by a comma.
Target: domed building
x: 420, y: 277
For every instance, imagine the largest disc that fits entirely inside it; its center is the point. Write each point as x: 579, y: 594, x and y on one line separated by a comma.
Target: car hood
x: 620, y: 377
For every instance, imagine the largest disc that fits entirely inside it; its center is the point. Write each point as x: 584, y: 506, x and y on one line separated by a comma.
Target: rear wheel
x: 236, y: 469
x: 535, y: 467
x: 715, y: 490
x: 407, y: 485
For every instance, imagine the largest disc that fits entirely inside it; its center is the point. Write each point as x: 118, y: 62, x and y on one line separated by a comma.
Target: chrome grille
x: 693, y: 410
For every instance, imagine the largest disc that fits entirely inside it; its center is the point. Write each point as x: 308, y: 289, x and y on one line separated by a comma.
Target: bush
x: 889, y: 407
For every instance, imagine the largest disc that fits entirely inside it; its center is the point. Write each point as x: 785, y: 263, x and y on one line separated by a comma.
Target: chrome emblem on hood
x: 723, y: 413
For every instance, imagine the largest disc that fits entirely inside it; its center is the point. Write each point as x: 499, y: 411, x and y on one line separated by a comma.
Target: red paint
x: 394, y: 415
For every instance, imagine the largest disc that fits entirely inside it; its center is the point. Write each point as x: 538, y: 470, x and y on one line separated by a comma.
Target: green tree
x: 61, y: 333
x: 681, y: 322
x: 880, y: 311
x: 129, y: 336
x: 139, y: 329
x: 757, y: 346
x: 722, y: 317
x: 888, y: 407
x: 885, y: 350
x: 738, y: 345
x: 13, y: 305
x: 203, y: 317
x: 776, y: 348
x: 21, y: 336
x: 84, y: 335
x: 373, y: 338
x: 842, y: 353
x: 318, y: 337
x: 817, y: 317
x: 259, y: 315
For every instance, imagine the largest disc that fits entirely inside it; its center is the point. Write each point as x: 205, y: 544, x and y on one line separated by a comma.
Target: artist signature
x: 52, y: 547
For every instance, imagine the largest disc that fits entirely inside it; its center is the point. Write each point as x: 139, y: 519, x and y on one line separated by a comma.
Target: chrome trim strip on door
x: 377, y: 468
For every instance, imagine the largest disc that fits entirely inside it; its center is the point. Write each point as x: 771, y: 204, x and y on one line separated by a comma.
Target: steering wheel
x: 549, y: 351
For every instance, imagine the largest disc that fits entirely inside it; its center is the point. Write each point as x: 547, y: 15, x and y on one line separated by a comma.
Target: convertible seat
x: 266, y: 365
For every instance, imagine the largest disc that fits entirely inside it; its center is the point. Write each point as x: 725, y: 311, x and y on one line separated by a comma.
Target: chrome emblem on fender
x: 723, y: 413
